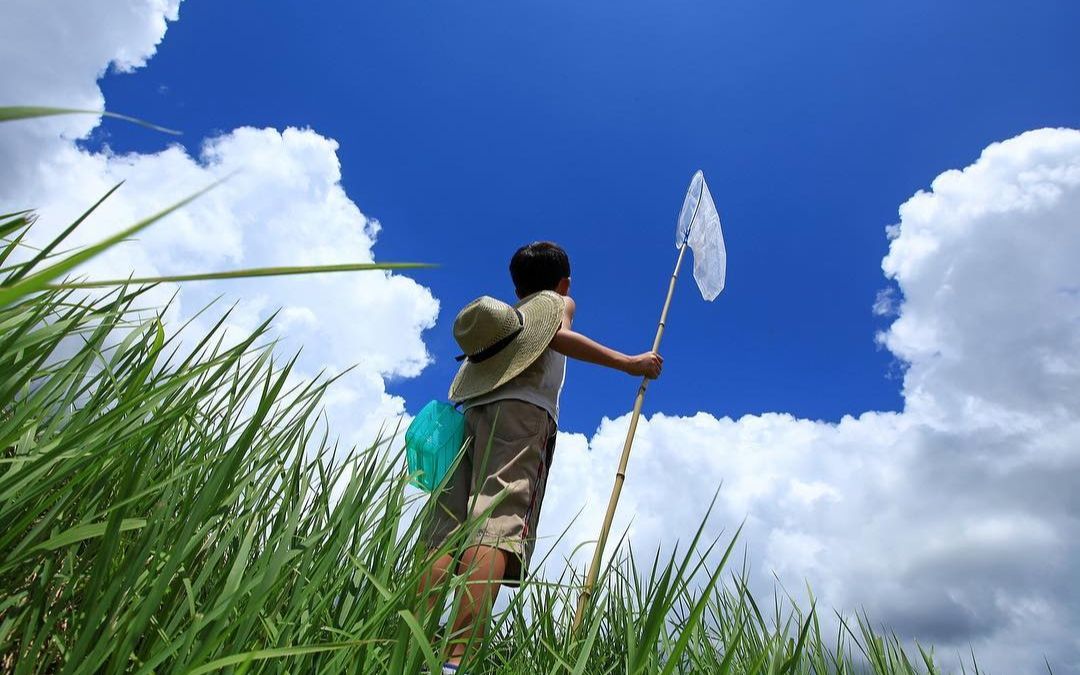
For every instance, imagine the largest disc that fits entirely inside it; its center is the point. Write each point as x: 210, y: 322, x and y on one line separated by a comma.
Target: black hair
x: 538, y: 266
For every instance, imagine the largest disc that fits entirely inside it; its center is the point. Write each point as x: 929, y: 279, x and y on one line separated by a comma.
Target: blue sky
x: 471, y: 128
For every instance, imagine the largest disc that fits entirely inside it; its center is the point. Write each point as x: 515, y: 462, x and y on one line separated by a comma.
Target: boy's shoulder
x: 569, y: 306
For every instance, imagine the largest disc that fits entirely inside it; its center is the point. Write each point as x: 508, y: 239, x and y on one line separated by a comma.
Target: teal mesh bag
x: 432, y: 443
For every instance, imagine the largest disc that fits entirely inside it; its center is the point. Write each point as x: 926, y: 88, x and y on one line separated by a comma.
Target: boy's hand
x: 648, y: 364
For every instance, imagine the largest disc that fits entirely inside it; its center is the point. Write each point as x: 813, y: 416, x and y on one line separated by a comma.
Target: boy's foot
x: 447, y: 669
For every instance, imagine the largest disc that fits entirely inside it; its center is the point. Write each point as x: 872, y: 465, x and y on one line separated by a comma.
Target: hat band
x: 488, y: 352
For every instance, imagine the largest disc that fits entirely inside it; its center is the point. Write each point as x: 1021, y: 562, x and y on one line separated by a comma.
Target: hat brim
x: 542, y: 315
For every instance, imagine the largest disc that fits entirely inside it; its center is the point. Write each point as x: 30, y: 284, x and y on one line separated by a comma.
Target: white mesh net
x: 699, y: 226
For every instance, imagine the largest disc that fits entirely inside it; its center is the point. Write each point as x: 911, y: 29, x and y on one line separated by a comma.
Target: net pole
x: 620, y: 475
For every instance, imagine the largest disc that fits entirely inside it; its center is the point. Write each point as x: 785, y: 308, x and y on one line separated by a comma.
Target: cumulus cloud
x: 954, y: 521
x: 283, y: 205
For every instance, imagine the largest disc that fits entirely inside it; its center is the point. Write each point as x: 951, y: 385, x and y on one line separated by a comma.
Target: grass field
x: 183, y: 507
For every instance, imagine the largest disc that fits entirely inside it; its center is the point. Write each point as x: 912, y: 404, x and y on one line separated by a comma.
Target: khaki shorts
x: 522, y: 442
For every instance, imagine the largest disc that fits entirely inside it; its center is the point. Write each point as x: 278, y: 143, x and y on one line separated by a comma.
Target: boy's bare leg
x: 486, y: 568
x: 440, y: 569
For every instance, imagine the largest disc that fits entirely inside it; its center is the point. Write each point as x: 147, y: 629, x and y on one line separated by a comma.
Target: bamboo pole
x: 620, y: 475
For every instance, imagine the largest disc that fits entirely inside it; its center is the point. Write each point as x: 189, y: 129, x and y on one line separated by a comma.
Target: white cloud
x: 885, y: 302
x: 955, y: 521
x: 283, y: 205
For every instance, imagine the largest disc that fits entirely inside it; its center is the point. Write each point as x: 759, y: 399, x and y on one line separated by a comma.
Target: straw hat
x: 500, y: 341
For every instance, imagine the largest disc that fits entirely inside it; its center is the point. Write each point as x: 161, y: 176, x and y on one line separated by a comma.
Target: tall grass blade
x: 39, y: 280
x: 243, y: 274
x: 13, y: 113
x: 44, y: 252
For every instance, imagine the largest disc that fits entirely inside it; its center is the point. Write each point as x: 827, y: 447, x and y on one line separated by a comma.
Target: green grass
x: 186, y: 510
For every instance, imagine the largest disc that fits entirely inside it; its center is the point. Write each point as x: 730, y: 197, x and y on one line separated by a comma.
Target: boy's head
x: 540, y: 266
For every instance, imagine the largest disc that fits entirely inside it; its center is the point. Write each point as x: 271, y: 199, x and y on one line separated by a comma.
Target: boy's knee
x: 486, y: 561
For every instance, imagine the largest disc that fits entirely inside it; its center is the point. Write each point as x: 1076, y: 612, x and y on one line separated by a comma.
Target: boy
x: 514, y: 365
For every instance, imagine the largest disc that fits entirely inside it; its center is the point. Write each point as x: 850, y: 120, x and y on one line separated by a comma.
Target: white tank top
x: 540, y: 384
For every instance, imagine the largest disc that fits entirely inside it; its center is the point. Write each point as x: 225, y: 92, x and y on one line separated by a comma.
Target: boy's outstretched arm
x: 582, y: 348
